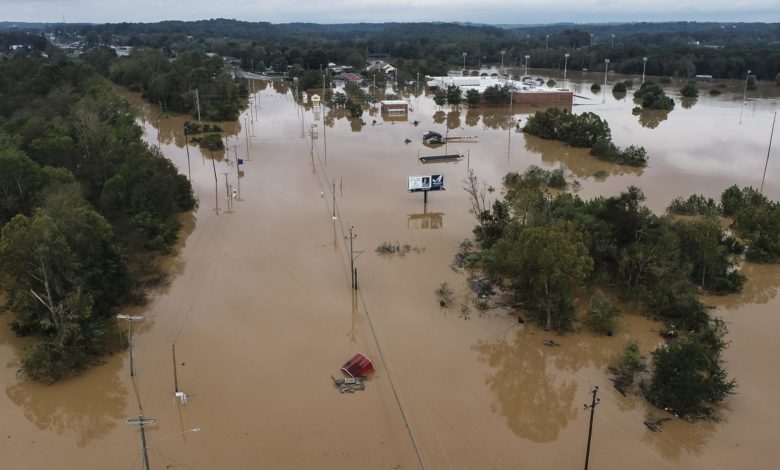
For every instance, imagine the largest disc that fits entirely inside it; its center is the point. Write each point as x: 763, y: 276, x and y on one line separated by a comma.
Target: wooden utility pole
x: 141, y: 422
x: 130, y: 319
x: 187, y: 147
x: 771, y: 135
x: 175, y: 377
x: 592, y: 408
x: 197, y: 100
x: 227, y: 192
x: 353, y: 257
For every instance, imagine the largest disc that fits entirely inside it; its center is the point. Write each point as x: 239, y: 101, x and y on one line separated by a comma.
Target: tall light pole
x: 546, y: 40
x: 526, y: 63
x: 606, y: 69
x: 502, y: 60
x: 644, y: 66
x: 613, y: 41
x: 591, y: 39
x: 565, y: 62
x: 744, y: 97
x: 464, y: 60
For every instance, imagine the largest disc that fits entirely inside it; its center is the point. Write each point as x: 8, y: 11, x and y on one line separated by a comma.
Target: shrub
x: 689, y: 90
x: 688, y: 378
x: 211, y: 142
x: 654, y: 97
x: 619, y: 87
x: 550, y: 83
x: 602, y: 315
x: 595, y: 88
x: 629, y: 364
x: 696, y: 204
x: 715, y: 92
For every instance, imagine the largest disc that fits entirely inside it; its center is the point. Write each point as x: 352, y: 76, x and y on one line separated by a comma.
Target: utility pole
x: 333, y: 190
x: 197, y: 101
x: 175, y: 378
x: 227, y: 191
x: 352, y: 257
x: 238, y: 170
x: 771, y: 135
x: 216, y: 182
x: 592, y: 407
x: 187, y: 147
x: 130, y: 319
x: 141, y: 422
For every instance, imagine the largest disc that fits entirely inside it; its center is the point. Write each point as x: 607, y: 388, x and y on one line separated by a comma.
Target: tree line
x: 724, y: 50
x: 84, y: 204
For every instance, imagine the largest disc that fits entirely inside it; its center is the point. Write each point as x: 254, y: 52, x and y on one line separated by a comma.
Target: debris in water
x: 550, y: 343
x: 349, y: 384
x: 655, y: 424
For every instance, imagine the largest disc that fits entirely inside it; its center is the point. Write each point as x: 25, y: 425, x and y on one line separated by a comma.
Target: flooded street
x: 260, y: 307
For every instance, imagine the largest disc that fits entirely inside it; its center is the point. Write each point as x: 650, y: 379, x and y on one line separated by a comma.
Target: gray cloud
x: 375, y: 11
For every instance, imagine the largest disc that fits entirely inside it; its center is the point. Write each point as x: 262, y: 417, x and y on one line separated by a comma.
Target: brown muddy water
x: 260, y: 308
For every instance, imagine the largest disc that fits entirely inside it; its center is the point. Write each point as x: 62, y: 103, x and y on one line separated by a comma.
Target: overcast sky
x: 378, y: 11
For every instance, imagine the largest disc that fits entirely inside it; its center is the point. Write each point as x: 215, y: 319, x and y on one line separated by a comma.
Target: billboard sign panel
x: 426, y: 183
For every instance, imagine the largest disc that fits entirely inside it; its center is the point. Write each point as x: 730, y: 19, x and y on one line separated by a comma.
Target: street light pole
x: 606, y: 69
x: 644, y: 66
x: 526, y: 64
x: 546, y: 40
x: 502, y: 61
x: 464, y: 60
x: 613, y: 41
x: 744, y: 93
x: 565, y: 62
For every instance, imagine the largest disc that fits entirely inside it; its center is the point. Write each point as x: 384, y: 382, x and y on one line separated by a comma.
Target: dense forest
x: 84, y: 206
x: 724, y: 50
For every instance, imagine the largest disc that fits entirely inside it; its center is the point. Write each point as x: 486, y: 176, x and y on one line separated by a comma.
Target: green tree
x: 688, y: 377
x: 689, y: 90
x: 454, y: 95
x: 602, y: 315
x: 472, y: 97
x: 440, y: 98
x: 20, y: 181
x: 544, y: 263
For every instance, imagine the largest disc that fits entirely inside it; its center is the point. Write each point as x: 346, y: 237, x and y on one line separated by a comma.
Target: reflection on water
x: 88, y: 406
x: 579, y: 161
x: 453, y: 119
x: 761, y: 287
x: 697, y: 435
x: 534, y: 402
x: 688, y: 102
x: 426, y: 220
x: 439, y: 117
x: 651, y: 118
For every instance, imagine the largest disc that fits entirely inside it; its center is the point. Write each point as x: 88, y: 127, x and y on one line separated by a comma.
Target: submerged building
x: 528, y: 92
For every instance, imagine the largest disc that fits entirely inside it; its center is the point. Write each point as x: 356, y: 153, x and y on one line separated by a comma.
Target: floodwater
x: 260, y: 307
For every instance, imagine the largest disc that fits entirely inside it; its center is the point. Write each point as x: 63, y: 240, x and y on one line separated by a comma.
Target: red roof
x: 351, y: 77
x: 358, y: 366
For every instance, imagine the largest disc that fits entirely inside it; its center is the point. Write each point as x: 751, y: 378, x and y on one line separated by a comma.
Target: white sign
x: 426, y: 183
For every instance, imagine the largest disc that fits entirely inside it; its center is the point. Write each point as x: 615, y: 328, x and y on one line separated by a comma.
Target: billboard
x: 426, y: 183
